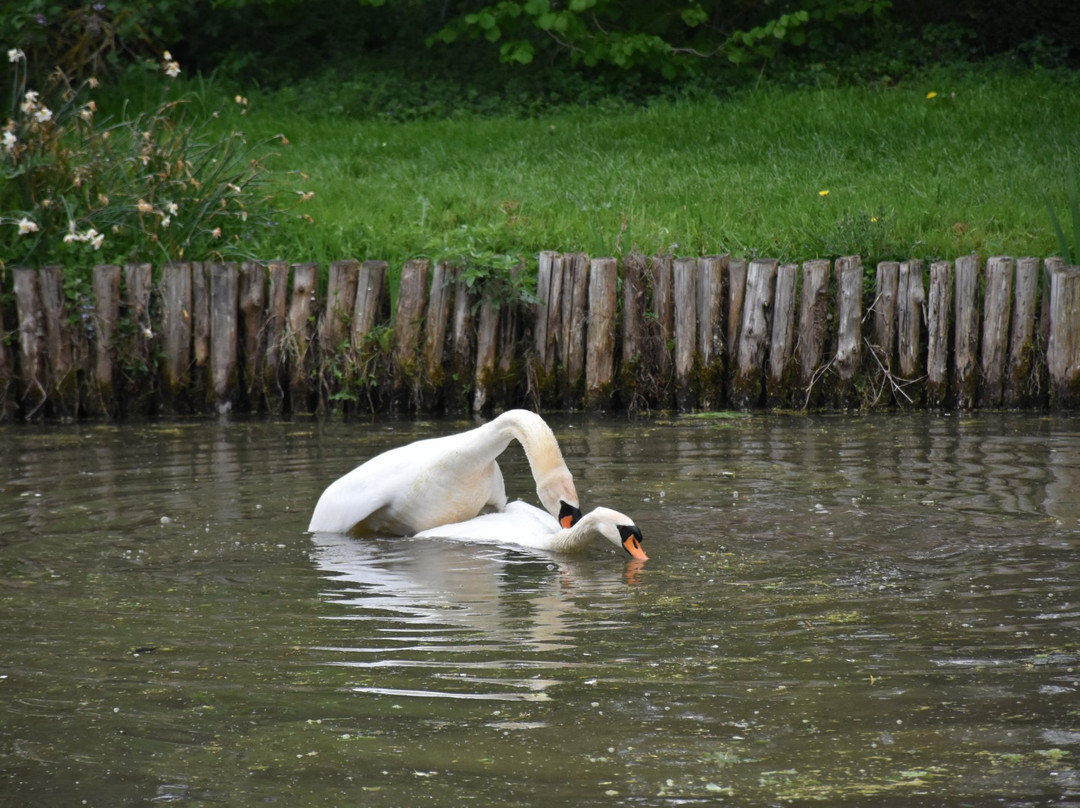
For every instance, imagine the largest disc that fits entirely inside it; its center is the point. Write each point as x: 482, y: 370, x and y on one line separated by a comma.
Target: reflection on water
x: 844, y: 611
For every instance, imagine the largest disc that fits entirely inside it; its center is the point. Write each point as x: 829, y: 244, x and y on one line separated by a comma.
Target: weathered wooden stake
x: 885, y: 305
x: 9, y: 404
x: 711, y: 277
x: 200, y: 335
x: 939, y: 306
x: 224, y: 306
x: 372, y: 302
x: 813, y: 324
x: 910, y: 315
x: 253, y: 329
x: 63, y: 382
x: 685, y: 294
x: 849, y: 276
x: 547, y: 321
x: 443, y: 277
x: 33, y: 381
x: 662, y: 328
x: 782, y: 367
x: 966, y: 342
x: 106, y: 288
x: 1021, y: 389
x: 1063, y: 347
x: 736, y: 295
x: 995, y: 331
x: 275, y: 371
x: 600, y: 355
x: 747, y: 388
x: 408, y: 320
x: 175, y: 334
x: 575, y: 313
x: 340, y: 301
x: 299, y: 333
x: 487, y: 335
x: 464, y: 344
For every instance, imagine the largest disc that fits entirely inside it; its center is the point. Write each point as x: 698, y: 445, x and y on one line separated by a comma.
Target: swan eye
x: 568, y: 514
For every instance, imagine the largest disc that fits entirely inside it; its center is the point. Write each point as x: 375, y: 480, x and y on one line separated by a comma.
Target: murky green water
x: 876, y: 611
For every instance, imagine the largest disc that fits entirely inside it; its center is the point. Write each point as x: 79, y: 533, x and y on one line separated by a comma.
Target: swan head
x: 619, y: 529
x: 559, y: 497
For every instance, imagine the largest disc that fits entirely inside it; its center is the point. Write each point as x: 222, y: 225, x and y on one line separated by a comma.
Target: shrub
x: 80, y: 188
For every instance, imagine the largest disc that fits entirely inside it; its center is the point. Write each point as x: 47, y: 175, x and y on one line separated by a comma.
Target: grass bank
x: 931, y: 169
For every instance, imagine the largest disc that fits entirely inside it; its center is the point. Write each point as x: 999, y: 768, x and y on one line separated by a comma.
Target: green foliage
x: 1070, y: 254
x: 80, y: 187
x: 483, y: 267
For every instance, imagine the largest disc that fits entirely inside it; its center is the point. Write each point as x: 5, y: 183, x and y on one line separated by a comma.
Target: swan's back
x: 519, y: 523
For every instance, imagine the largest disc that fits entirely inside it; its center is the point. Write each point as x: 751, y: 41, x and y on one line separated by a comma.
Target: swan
x: 444, y: 480
x: 526, y: 525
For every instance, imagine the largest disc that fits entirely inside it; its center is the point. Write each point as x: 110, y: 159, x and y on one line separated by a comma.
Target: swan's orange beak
x: 631, y: 541
x: 568, y: 515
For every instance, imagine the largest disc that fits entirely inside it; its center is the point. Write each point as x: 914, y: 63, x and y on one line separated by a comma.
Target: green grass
x: 907, y: 176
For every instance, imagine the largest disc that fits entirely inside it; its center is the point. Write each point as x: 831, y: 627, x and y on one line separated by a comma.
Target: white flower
x: 170, y: 65
x: 97, y: 239
x: 27, y: 226
x: 9, y: 140
x: 144, y: 206
x: 43, y: 114
x: 166, y: 221
x: 15, y: 55
x: 172, y: 208
x: 30, y: 101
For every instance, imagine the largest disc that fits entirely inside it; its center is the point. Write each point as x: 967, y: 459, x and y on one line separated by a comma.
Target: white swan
x: 521, y: 523
x: 443, y: 480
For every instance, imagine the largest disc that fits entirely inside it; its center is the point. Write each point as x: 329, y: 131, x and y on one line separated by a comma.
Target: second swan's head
x: 559, y: 497
x: 618, y: 528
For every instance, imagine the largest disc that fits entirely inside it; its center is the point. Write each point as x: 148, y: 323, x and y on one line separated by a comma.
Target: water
x: 844, y: 611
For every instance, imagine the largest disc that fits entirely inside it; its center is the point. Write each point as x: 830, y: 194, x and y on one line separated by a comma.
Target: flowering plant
x: 78, y: 189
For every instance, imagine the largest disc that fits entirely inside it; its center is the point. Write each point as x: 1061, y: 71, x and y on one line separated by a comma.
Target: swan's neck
x: 541, y: 450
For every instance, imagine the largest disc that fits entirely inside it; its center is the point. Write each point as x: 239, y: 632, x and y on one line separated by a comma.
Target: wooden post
x: 253, y: 319
x: 603, y: 310
x: 885, y: 306
x: 662, y: 328
x: 910, y: 314
x: 140, y: 361
x: 487, y: 332
x: 299, y: 332
x: 747, y: 387
x: 849, y: 277
x: 175, y: 334
x: 106, y: 285
x: 546, y: 329
x: 966, y: 342
x: 575, y: 313
x: 939, y: 305
x: 340, y: 301
x: 1021, y: 389
x: 275, y: 371
x: 711, y: 272
x: 443, y: 277
x: 464, y: 346
x: 736, y: 295
x: 334, y: 356
x: 224, y: 306
x: 200, y: 335
x: 781, y: 345
x: 33, y: 382
x: 63, y: 387
x: 995, y: 330
x: 1063, y: 347
x: 635, y: 293
x: 372, y: 301
x: 8, y: 383
x: 685, y: 293
x: 813, y: 323
x: 412, y: 297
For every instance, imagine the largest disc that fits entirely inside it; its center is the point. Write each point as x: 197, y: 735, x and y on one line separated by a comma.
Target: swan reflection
x: 489, y: 619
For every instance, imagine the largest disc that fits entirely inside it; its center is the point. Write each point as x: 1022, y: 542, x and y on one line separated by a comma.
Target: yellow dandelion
x: 931, y: 94
x: 823, y: 193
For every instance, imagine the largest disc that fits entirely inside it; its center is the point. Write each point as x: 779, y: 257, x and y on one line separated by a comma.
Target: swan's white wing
x: 520, y: 523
